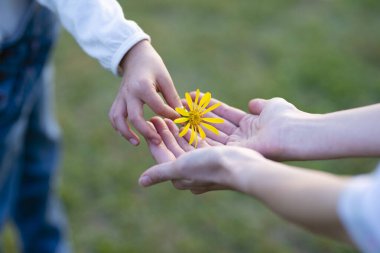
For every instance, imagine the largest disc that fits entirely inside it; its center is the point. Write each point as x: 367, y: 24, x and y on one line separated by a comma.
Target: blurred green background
x: 320, y: 55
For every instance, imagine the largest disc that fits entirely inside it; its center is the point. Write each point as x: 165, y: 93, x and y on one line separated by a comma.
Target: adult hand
x: 281, y: 187
x: 198, y: 170
x: 144, y: 76
x: 273, y: 127
x: 171, y: 148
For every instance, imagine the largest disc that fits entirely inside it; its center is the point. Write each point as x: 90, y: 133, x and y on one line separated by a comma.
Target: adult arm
x: 307, y: 198
x: 280, y: 131
x: 348, y: 133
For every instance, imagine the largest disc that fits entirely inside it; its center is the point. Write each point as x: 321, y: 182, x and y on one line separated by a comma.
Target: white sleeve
x: 359, y: 211
x: 99, y: 27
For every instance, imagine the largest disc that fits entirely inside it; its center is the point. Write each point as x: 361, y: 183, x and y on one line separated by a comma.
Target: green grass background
x: 320, y: 55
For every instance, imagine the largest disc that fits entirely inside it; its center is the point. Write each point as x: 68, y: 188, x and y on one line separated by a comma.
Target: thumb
x: 158, y: 174
x: 257, y: 105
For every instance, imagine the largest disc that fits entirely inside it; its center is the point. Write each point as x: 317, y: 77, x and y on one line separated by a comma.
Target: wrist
x: 248, y: 171
x: 132, y: 53
x: 306, y: 197
x: 233, y: 165
x: 262, y: 179
x: 303, y: 138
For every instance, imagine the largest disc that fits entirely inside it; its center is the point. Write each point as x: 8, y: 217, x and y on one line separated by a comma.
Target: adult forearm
x: 354, y: 132
x: 348, y: 133
x: 307, y: 198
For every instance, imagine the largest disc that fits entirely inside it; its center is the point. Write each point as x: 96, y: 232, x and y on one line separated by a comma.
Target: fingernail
x: 133, y: 141
x: 145, y: 181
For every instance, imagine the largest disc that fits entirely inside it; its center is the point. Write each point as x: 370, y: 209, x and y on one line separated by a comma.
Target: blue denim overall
x: 29, y: 135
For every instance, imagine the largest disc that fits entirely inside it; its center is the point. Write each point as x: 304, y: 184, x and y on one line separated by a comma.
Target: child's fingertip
x: 133, y: 141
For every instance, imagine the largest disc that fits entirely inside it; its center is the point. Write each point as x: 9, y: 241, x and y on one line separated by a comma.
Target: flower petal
x: 193, y: 135
x: 211, y: 128
x: 182, y: 111
x: 205, y: 100
x: 196, y: 98
x: 201, y: 132
x: 213, y: 120
x: 213, y: 107
x: 189, y: 101
x: 181, y: 120
x: 184, y: 130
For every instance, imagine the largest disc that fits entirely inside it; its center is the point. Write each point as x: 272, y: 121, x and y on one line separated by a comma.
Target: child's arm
x: 121, y: 46
x: 99, y: 27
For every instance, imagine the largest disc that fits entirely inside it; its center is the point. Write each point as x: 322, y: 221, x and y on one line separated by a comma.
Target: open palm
x: 264, y: 129
x: 261, y: 130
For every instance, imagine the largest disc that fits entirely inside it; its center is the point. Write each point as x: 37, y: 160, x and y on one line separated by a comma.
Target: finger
x: 198, y: 191
x: 180, y: 140
x: 160, y: 152
x: 118, y: 115
x: 227, y: 112
x: 226, y: 127
x: 167, y: 136
x: 112, y: 114
x: 197, y: 142
x: 126, y: 131
x: 168, y: 90
x: 184, y: 103
x: 135, y: 113
x: 187, y: 184
x: 158, y: 173
x: 181, y: 184
x: 220, y: 137
x: 224, y: 111
x: 155, y: 102
x: 181, y: 168
x: 202, y: 143
x: 256, y: 106
x: 212, y: 142
x: 211, y: 187
x: 201, y: 190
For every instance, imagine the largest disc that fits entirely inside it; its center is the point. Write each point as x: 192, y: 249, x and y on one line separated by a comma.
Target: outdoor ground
x: 320, y: 55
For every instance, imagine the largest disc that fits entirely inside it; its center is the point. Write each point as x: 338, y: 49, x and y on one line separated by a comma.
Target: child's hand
x: 144, y: 75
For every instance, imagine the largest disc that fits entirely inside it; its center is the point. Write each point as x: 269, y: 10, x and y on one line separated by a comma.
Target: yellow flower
x: 195, y: 117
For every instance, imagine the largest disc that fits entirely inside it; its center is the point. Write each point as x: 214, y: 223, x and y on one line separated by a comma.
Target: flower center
x: 195, y: 118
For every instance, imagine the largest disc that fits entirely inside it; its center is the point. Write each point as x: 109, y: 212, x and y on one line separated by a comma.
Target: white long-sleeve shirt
x: 98, y: 26
x: 359, y: 210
